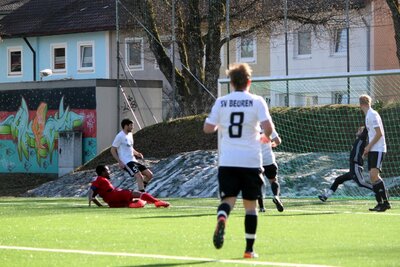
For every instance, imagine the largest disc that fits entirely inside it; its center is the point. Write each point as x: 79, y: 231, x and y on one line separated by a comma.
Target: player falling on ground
x: 356, y: 169
x: 116, y: 197
x: 270, y: 169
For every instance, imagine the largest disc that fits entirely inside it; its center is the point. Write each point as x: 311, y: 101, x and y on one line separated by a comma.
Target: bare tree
x: 200, y: 34
x: 395, y: 10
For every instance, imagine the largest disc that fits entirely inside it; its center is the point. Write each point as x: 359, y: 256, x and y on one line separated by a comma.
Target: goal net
x: 317, y: 117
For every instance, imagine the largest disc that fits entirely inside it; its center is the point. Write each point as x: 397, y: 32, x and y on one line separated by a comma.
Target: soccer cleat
x: 278, y: 204
x: 161, y: 203
x: 323, y: 198
x: 383, y: 207
x: 218, y: 238
x: 375, y: 208
x: 262, y: 210
x: 250, y: 255
x: 137, y: 203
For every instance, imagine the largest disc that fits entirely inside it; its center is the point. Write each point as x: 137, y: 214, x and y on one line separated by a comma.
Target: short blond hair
x: 365, y: 100
x: 240, y: 74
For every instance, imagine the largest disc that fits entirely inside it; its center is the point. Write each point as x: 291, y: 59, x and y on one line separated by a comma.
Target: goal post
x: 317, y: 117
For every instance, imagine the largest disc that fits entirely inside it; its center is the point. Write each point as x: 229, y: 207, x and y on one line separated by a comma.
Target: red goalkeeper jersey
x: 114, y: 197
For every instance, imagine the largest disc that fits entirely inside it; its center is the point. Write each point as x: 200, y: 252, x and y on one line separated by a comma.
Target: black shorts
x: 375, y: 159
x: 233, y: 180
x: 270, y: 171
x: 134, y: 167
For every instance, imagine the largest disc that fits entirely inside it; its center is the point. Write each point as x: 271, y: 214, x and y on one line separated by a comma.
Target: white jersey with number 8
x: 238, y: 116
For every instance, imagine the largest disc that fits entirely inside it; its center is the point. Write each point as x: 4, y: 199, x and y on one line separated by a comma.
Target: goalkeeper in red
x: 238, y: 117
x: 356, y: 169
x: 116, y: 197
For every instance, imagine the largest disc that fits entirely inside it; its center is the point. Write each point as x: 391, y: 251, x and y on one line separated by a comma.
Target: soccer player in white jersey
x: 238, y: 117
x: 123, y: 152
x: 271, y: 169
x: 376, y: 150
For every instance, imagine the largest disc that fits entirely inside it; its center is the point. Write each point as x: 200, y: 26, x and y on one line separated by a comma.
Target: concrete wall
x: 383, y: 41
x: 145, y: 100
x: 106, y: 116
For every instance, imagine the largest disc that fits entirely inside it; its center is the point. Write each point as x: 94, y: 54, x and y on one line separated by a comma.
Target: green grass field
x: 66, y: 232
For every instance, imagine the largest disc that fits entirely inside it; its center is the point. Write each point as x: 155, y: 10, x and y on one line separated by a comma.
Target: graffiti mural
x: 29, y: 136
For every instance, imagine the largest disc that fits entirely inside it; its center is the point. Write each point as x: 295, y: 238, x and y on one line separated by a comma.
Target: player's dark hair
x: 126, y: 122
x: 240, y: 75
x: 100, y: 169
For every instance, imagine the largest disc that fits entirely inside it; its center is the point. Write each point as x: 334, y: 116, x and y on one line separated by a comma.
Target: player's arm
x: 378, y: 135
x: 92, y: 197
x: 210, y: 125
x: 268, y: 127
x: 137, y: 154
x: 276, y: 141
x: 209, y: 128
x: 114, y: 153
x: 264, y: 116
x: 211, y: 122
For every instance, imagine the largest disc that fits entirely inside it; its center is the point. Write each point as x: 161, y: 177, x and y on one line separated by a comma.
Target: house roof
x: 53, y: 17
x: 7, y: 6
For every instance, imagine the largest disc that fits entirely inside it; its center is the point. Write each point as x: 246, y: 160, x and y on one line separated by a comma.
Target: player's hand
x: 264, y: 139
x: 139, y: 155
x: 366, y: 150
x: 121, y: 164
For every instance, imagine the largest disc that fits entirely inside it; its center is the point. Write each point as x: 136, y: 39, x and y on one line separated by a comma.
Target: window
x: 340, y: 41
x: 15, y: 61
x: 58, y: 58
x: 304, y: 43
x: 246, y: 50
x: 134, y: 53
x: 85, y: 56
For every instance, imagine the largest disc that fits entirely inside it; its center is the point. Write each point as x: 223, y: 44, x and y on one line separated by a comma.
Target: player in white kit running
x: 238, y: 117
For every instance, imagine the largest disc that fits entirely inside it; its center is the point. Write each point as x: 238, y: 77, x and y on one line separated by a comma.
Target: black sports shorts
x: 233, y: 180
x: 375, y: 159
x: 134, y: 167
x: 270, y: 171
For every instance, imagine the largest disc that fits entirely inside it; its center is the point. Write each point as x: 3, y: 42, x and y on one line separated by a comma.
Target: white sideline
x: 389, y: 213
x: 155, y: 256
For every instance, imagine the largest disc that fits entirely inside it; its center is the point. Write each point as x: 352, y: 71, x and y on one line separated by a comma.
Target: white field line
x: 214, y: 207
x: 304, y: 211
x: 155, y: 256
